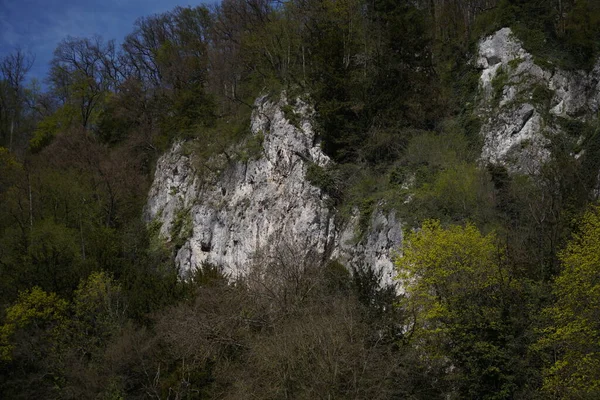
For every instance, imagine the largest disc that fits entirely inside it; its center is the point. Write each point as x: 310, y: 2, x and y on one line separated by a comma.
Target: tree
x: 82, y: 72
x: 28, y: 341
x: 168, y: 55
x: 53, y: 257
x: 97, y: 314
x: 467, y: 312
x: 573, y: 335
x: 13, y: 68
x: 35, y: 309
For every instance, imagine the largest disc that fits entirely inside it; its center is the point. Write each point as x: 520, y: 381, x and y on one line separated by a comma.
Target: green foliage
x: 443, y: 180
x: 35, y: 310
x: 98, y: 307
x: 153, y: 228
x: 291, y: 115
x: 499, y: 83
x: 572, y: 337
x: 437, y: 265
x: 220, y: 141
x: 466, y: 309
x: 555, y: 33
x: 50, y: 126
x: 541, y: 95
x: 457, y: 193
x: 8, y: 162
x: 360, y: 191
x: 149, y: 279
x: 191, y: 109
x: 253, y: 147
x: 54, y: 258
x: 581, y: 33
x: 121, y: 114
x: 437, y: 150
x: 324, y: 178
x: 182, y: 227
x: 396, y: 104
x: 365, y: 83
x: 53, y: 345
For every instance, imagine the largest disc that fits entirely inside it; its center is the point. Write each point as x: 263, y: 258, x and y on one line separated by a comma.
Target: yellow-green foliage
x: 51, y: 125
x: 455, y: 191
x: 446, y: 183
x: 98, y: 310
x: 9, y: 169
x: 440, y: 265
x: 54, y: 256
x: 467, y: 310
x: 35, y: 309
x: 438, y: 150
x: 574, y: 333
x: 97, y: 295
x: 7, y: 160
x: 219, y: 139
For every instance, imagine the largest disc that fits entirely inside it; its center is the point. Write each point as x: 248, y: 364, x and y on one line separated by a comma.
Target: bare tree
x: 14, y: 69
x: 83, y: 71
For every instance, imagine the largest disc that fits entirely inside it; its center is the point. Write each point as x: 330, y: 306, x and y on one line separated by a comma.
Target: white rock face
x: 258, y: 205
x: 519, y: 97
x: 376, y: 248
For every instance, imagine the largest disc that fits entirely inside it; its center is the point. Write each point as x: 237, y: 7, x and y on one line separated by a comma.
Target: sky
x: 37, y: 26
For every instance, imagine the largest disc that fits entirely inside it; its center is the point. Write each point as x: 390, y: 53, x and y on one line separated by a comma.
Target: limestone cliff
x: 260, y: 205
x: 521, y: 101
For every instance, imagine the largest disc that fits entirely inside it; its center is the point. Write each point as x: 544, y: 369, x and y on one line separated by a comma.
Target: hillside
x: 307, y: 199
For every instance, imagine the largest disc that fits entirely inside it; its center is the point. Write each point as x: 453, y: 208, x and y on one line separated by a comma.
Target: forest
x: 500, y: 271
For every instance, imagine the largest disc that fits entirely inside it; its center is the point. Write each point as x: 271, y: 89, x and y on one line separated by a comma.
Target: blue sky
x: 37, y: 26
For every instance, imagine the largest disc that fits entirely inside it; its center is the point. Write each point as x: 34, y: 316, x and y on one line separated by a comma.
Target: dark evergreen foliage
x: 91, y: 303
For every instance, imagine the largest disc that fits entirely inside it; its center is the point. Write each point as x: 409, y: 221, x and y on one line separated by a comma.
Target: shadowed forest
x: 499, y: 271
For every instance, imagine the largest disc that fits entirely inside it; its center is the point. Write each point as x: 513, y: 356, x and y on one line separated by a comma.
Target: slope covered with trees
x: 500, y: 270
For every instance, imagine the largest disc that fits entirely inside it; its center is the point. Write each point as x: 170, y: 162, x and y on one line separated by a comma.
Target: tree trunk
x: 12, y: 129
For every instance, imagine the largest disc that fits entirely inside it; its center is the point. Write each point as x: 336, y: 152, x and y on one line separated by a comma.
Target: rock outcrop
x: 520, y: 100
x: 254, y: 207
x: 257, y: 206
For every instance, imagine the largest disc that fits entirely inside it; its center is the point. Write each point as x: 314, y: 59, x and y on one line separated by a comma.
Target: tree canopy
x: 498, y: 299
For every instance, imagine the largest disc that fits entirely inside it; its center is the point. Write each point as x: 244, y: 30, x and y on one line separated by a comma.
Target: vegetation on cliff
x: 500, y: 270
